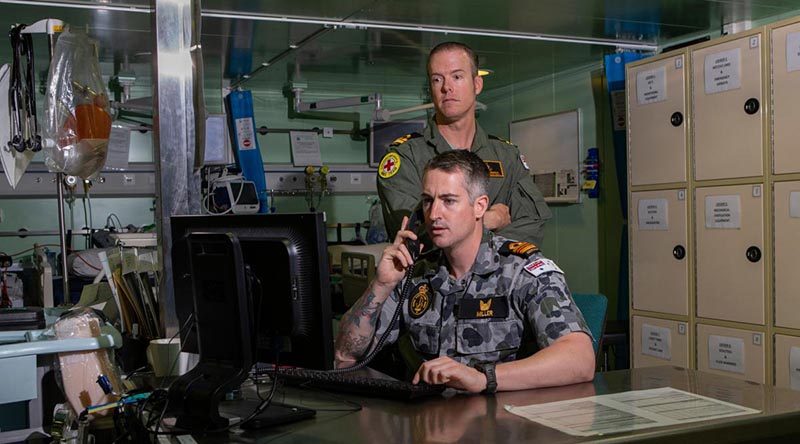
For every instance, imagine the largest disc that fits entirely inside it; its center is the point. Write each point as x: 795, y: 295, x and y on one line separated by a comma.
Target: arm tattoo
x: 353, y: 338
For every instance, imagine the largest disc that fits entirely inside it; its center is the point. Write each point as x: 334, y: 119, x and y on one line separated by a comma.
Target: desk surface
x: 482, y: 419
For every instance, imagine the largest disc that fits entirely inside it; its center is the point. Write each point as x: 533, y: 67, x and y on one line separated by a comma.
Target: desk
x: 482, y: 419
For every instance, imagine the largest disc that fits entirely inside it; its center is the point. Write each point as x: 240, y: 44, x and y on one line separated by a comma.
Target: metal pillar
x: 176, y: 31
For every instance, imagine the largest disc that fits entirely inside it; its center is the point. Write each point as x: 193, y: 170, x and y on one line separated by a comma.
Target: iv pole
x: 51, y: 27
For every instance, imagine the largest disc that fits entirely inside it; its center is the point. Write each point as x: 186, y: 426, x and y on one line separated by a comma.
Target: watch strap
x: 488, y: 369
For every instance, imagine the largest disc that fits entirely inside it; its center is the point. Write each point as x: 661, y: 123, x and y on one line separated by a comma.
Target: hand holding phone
x: 416, y: 224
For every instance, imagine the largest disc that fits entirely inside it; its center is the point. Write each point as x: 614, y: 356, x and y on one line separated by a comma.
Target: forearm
x: 569, y: 360
x: 357, y: 326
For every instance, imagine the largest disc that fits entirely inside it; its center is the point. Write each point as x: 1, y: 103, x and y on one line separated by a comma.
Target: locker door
x: 657, y: 121
x: 659, y: 342
x: 727, y: 109
x: 785, y: 97
x: 659, y: 252
x: 787, y: 254
x: 787, y: 362
x: 730, y: 248
x: 731, y: 352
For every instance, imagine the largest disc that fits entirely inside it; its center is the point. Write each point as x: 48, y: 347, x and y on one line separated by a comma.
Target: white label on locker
x: 794, y: 367
x: 723, y: 212
x: 245, y: 134
x: 678, y: 62
x: 794, y: 204
x: 722, y: 71
x: 656, y: 342
x: 793, y: 51
x: 651, y: 86
x: 653, y: 214
x: 726, y: 353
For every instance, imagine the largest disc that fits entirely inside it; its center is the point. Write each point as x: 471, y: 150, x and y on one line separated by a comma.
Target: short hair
x: 474, y: 170
x: 455, y: 46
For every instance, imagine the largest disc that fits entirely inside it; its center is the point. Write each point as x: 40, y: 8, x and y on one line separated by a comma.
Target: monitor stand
x: 279, y: 414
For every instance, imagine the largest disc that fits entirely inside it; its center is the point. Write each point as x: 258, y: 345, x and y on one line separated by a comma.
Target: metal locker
x: 785, y: 70
x: 728, y: 108
x: 657, y: 124
x: 731, y: 352
x: 659, y: 252
x: 729, y: 253
x: 660, y: 342
x: 786, y: 217
x: 787, y: 362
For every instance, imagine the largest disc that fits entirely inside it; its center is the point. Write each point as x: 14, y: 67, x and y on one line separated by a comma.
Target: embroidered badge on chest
x: 541, y: 266
x: 496, y: 307
x: 421, y: 300
x: 495, y: 168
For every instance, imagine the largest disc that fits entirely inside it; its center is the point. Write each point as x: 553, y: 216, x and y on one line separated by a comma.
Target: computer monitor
x: 382, y: 134
x: 222, y: 310
x: 287, y: 261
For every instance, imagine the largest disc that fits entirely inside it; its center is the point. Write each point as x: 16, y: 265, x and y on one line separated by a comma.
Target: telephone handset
x: 416, y: 223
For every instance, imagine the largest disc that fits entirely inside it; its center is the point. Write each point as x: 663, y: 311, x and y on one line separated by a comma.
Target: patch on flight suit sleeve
x: 421, y: 301
x: 493, y: 137
x: 389, y: 166
x: 542, y: 266
x: 495, y: 168
x: 523, y: 249
x: 403, y: 139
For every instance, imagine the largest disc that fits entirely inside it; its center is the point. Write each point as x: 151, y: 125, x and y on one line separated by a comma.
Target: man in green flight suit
x: 517, y: 210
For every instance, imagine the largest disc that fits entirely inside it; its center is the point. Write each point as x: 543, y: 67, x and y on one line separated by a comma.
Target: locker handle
x: 753, y: 254
x: 751, y: 106
x: 679, y: 252
x: 676, y: 119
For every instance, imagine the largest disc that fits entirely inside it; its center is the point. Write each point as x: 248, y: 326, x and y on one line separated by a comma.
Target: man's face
x: 450, y: 218
x: 453, y: 87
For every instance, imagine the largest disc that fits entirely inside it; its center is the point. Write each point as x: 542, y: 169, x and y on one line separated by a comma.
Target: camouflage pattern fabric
x: 538, y: 305
x: 510, y: 182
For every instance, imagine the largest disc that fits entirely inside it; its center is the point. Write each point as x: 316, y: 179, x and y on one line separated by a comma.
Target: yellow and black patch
x: 522, y: 249
x: 507, y: 142
x: 496, y: 307
x: 403, y: 139
x: 389, y: 166
x: 495, y: 168
x: 421, y: 300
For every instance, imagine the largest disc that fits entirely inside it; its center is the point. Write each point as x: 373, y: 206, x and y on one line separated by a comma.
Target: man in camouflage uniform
x: 473, y: 299
x: 517, y: 208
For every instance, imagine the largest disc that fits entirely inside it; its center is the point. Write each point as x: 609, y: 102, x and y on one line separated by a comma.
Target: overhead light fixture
x: 411, y: 27
x: 483, y: 72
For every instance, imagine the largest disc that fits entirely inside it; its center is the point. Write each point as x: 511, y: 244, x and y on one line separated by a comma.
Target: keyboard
x: 358, y: 384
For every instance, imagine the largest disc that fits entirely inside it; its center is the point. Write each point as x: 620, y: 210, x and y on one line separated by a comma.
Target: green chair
x: 593, y: 307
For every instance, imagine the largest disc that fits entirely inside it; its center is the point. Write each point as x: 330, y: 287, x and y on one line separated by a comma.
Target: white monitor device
x: 235, y: 195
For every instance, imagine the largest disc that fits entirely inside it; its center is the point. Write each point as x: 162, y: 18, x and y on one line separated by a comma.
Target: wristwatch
x: 487, y: 369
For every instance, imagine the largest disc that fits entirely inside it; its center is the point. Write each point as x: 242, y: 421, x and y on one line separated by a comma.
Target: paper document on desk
x: 624, y: 412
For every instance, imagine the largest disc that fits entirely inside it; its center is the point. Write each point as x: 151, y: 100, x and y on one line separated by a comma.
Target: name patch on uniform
x: 523, y: 249
x: 483, y: 308
x: 421, y: 301
x: 541, y: 266
x: 495, y: 168
x: 390, y: 165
